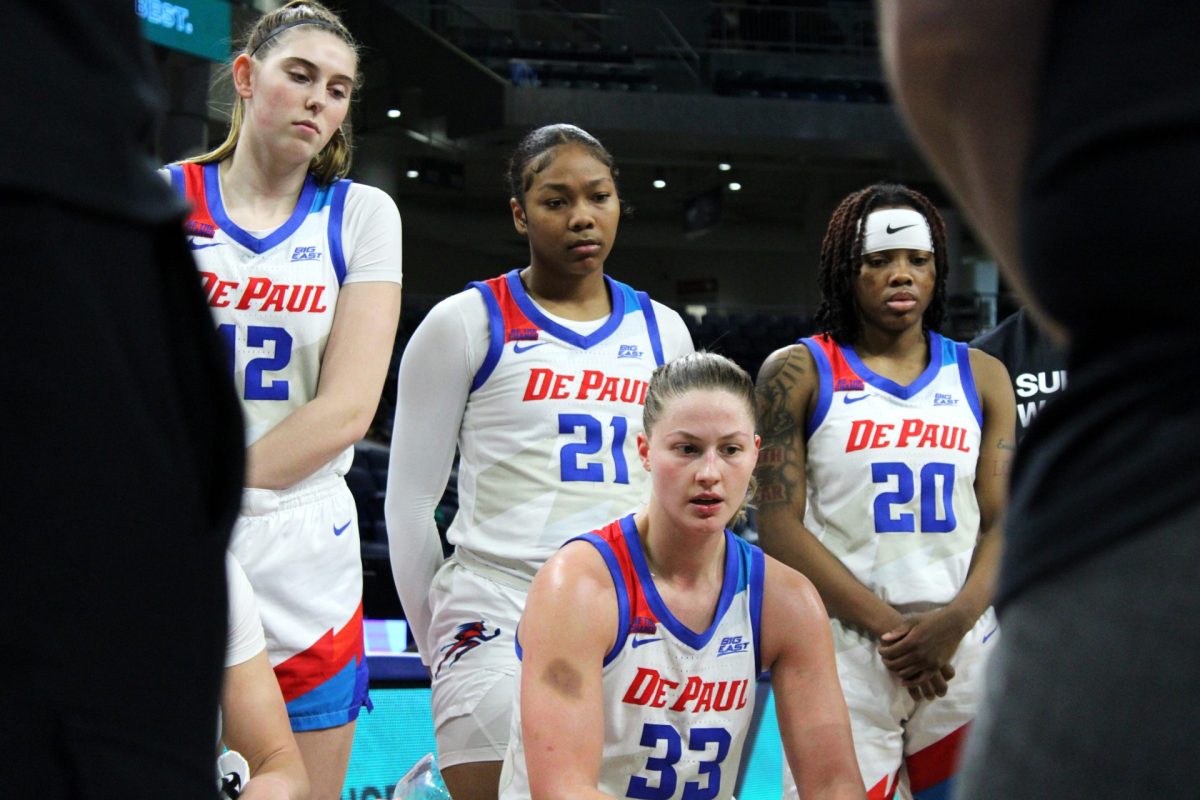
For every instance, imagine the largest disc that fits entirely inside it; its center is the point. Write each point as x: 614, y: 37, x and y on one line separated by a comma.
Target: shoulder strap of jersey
x: 966, y: 376
x: 506, y: 322
x: 633, y: 614
x: 337, y: 211
x: 188, y: 180
x: 753, y: 569
x: 834, y: 374
x: 651, y: 326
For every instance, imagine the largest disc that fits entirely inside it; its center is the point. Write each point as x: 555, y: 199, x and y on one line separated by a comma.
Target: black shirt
x: 1038, y: 367
x: 1108, y: 218
x: 85, y: 136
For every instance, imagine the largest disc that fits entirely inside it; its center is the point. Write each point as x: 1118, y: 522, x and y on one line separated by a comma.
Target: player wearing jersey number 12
x: 302, y: 271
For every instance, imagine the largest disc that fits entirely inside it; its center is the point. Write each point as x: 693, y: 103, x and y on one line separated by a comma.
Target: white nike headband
x: 897, y: 228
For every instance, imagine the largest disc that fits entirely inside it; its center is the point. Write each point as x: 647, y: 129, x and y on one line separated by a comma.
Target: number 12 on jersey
x: 280, y: 342
x: 574, y: 464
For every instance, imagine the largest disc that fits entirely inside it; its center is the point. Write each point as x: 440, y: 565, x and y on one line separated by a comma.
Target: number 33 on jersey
x: 891, y: 471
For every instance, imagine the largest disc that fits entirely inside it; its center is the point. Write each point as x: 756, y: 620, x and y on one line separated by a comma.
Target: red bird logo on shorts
x: 469, y: 636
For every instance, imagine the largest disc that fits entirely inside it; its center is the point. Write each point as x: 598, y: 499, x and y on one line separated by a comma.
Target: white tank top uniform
x: 547, y: 446
x: 548, y: 440
x: 677, y: 702
x: 891, y: 494
x: 891, y: 471
x: 273, y: 295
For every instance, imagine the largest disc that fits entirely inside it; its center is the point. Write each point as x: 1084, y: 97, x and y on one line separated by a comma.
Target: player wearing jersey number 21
x: 882, y: 479
x: 648, y: 691
x: 538, y: 377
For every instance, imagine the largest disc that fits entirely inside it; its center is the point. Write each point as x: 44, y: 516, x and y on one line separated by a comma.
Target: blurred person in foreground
x: 1064, y: 129
x: 122, y: 426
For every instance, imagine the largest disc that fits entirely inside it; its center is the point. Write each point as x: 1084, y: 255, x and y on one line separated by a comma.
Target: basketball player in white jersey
x: 882, y: 479
x: 302, y: 272
x: 538, y: 376
x: 648, y: 691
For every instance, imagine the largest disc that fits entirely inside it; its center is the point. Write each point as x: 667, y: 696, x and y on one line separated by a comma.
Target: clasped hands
x: 919, y: 649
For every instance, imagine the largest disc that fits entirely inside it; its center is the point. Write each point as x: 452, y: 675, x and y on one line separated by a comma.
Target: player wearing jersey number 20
x: 885, y: 451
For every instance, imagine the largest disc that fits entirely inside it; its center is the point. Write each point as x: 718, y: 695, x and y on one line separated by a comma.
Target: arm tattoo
x: 776, y: 397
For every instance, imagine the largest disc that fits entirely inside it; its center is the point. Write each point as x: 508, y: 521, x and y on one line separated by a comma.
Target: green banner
x: 199, y: 27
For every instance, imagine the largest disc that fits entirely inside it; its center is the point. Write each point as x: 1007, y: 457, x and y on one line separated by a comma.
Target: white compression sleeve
x: 436, y: 370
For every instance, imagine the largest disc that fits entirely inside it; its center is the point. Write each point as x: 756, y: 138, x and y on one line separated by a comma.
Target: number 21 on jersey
x: 586, y: 461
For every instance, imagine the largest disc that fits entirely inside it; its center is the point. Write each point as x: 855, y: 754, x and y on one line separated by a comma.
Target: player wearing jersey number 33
x: 641, y: 642
x: 882, y: 479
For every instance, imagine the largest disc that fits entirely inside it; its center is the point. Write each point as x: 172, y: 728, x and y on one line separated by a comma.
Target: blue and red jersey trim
x: 513, y: 316
x: 200, y: 185
x: 641, y: 609
x: 327, y: 657
x: 840, y: 369
x: 931, y: 770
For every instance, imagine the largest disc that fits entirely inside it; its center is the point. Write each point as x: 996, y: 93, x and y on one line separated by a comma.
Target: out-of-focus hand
x: 266, y: 787
x: 935, y: 687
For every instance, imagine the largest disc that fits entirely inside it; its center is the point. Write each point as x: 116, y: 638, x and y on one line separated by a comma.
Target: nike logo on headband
x: 890, y: 229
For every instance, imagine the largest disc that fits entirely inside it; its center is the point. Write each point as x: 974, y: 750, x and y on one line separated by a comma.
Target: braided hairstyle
x: 841, y: 258
x: 333, y: 162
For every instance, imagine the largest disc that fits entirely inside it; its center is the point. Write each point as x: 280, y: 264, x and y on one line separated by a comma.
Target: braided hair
x: 841, y: 258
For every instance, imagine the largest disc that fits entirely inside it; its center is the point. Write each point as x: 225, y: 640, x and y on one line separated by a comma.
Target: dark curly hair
x: 841, y: 258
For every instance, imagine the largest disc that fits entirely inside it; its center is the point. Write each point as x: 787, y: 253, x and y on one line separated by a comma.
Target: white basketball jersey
x: 548, y: 441
x: 891, y: 471
x: 273, y: 298
x: 677, y: 703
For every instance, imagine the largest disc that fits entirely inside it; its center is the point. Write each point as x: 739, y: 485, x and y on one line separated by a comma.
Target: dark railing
x: 825, y: 28
x: 636, y: 46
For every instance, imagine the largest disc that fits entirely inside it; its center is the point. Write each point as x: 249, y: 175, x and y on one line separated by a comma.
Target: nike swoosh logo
x: 339, y: 531
x: 517, y: 348
x: 990, y: 634
x: 848, y: 400
x: 195, y: 246
x: 640, y: 642
x: 890, y: 229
